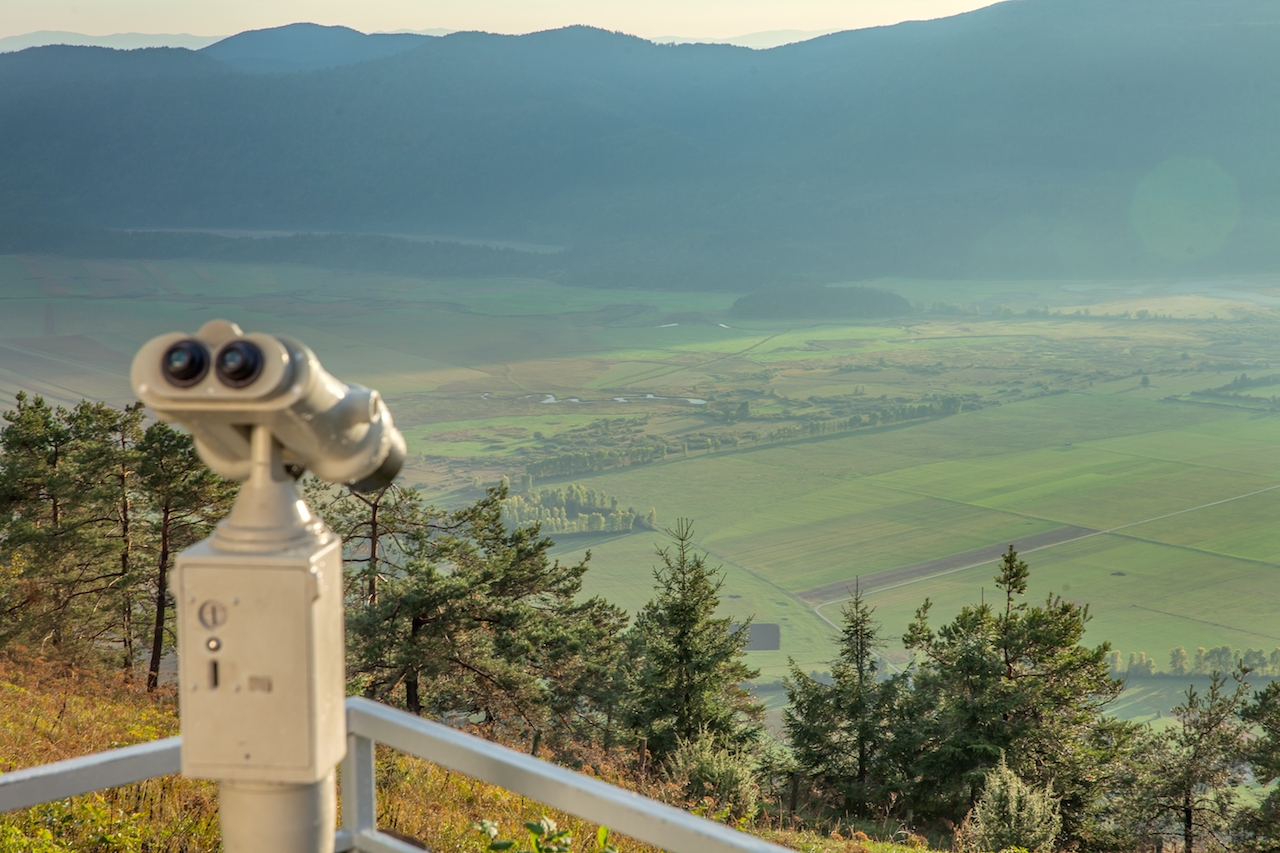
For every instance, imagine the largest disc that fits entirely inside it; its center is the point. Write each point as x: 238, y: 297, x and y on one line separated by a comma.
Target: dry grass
x: 50, y: 711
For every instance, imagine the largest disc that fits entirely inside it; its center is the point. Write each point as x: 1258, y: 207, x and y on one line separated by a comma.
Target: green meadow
x: 808, y: 453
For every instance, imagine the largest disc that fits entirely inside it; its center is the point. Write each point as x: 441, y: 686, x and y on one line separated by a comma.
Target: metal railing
x: 369, y: 723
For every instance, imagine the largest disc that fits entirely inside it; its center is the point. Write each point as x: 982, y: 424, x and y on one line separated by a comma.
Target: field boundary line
x: 1195, y: 550
x: 676, y: 368
x: 818, y: 608
x: 1203, y: 621
x: 1132, y: 455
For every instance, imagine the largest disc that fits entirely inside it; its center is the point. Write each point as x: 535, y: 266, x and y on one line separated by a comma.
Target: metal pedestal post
x: 270, y: 817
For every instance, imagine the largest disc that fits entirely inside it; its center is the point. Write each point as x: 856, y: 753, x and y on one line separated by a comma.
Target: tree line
x: 995, y: 735
x: 572, y: 509
x: 454, y: 614
x: 997, y: 731
x: 93, y: 508
x: 1205, y: 661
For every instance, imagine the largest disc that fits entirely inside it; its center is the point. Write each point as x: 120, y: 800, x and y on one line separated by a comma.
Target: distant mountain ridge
x: 1061, y: 138
x: 116, y: 41
x: 307, y: 47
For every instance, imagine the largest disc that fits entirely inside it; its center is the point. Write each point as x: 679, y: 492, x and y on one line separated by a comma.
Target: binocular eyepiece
x: 237, y: 364
x: 220, y: 382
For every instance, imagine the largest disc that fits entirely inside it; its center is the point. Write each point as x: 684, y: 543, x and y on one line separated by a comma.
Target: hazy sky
x: 690, y: 18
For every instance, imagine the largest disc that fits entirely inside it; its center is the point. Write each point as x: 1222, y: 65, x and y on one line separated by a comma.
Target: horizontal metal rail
x: 622, y: 811
x: 369, y: 723
x: 61, y: 779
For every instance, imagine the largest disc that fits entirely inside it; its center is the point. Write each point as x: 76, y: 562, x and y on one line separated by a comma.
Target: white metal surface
x: 61, y: 779
x: 622, y: 811
x: 341, y: 433
x: 273, y: 817
x: 261, y: 672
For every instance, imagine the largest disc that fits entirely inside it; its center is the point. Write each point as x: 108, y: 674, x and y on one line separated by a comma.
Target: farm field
x: 808, y: 453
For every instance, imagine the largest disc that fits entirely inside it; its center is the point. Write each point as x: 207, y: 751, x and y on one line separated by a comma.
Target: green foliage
x: 1187, y: 776
x: 839, y: 731
x: 92, y: 510
x: 14, y: 840
x: 587, y: 461
x: 1012, y: 683
x: 90, y: 825
x: 1011, y: 815
x: 722, y: 781
x: 543, y: 837
x: 379, y: 530
x: 1258, y: 826
x: 686, y: 664
x: 479, y: 622
x: 1141, y: 666
x: 570, y: 509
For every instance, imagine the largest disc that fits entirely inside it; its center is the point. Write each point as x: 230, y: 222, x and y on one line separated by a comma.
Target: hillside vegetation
x: 52, y: 711
x: 463, y: 616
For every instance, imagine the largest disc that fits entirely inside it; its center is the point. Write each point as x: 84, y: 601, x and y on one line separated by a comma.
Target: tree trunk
x: 126, y: 557
x: 371, y: 593
x: 412, y: 698
x: 162, y: 600
x: 1188, y: 824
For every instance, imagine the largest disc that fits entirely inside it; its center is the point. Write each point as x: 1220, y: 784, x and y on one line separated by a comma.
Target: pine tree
x: 1190, y: 772
x: 105, y: 451
x: 182, y: 500
x: 838, y: 731
x: 478, y: 620
x: 68, y: 480
x: 689, y: 672
x: 378, y: 530
x: 1009, y: 680
x: 1259, y: 826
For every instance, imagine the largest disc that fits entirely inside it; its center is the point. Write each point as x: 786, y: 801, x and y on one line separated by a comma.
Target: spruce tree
x: 1011, y: 814
x: 838, y: 730
x: 1011, y: 680
x: 689, y: 674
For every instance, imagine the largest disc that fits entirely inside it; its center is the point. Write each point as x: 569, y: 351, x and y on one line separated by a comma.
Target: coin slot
x: 213, y: 675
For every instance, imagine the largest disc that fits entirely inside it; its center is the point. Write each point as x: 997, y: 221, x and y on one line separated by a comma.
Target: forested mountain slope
x: 1030, y: 138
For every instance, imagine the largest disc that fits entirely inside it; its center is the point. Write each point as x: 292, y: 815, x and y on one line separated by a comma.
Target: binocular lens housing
x: 341, y: 432
x: 185, y: 363
x: 239, y: 363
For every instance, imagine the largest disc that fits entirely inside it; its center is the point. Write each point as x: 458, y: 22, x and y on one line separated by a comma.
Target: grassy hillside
x: 1018, y: 410
x: 50, y: 712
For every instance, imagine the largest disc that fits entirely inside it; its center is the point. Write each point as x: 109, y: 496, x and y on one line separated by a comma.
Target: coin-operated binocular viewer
x: 260, y: 602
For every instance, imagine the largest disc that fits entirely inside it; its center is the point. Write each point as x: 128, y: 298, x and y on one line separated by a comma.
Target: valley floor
x: 1124, y: 433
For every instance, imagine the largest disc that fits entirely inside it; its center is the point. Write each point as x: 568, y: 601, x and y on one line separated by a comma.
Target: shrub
x: 1010, y: 815
x: 708, y: 772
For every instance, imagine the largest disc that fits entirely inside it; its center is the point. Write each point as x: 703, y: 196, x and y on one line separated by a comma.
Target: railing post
x: 359, y: 794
